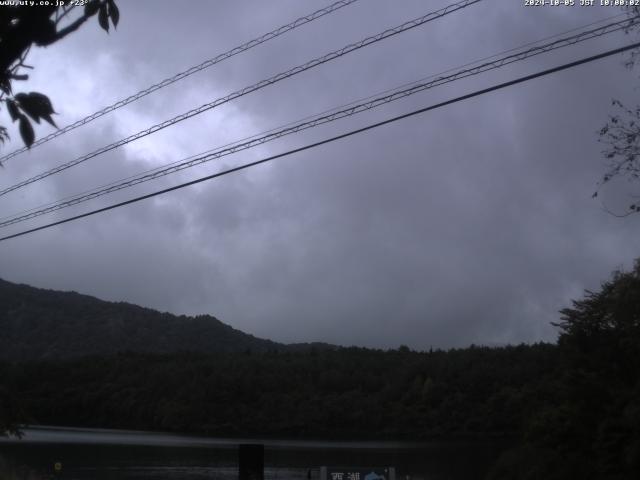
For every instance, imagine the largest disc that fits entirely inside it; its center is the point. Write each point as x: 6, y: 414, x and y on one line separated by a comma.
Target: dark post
x: 251, y: 462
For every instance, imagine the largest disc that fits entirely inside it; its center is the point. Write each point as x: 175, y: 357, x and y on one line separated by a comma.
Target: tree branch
x: 617, y: 215
x: 72, y: 27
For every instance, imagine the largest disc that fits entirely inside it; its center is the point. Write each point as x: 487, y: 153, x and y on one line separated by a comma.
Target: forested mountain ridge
x: 39, y: 324
x: 574, y: 406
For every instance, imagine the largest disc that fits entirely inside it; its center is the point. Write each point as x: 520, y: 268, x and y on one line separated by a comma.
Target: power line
x: 332, y: 139
x: 317, y: 120
x: 246, y: 90
x: 405, y: 85
x: 353, y: 109
x: 204, y: 156
x: 186, y: 73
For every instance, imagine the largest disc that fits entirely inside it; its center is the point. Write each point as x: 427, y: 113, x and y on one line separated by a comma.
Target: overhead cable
x: 186, y: 73
x: 246, y: 90
x: 352, y: 109
x: 331, y: 139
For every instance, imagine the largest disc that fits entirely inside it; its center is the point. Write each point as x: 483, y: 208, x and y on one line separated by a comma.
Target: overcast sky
x: 473, y: 223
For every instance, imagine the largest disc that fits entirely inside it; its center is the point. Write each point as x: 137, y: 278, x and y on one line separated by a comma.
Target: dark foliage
x: 590, y: 427
x: 350, y: 392
x: 621, y: 133
x: 574, y: 406
x: 24, y: 26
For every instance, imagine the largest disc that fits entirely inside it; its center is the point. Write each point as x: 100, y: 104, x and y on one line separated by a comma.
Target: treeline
x: 345, y: 393
x: 572, y: 410
x: 587, y: 424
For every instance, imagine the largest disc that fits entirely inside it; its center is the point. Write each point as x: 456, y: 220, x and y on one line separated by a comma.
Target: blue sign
x: 357, y: 473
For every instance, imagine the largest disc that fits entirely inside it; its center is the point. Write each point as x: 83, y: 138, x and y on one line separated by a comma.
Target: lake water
x: 93, y: 454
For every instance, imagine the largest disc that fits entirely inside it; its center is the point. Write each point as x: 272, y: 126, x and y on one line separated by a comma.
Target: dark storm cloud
x: 472, y: 223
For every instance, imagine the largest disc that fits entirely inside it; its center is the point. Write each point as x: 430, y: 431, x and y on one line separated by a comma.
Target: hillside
x: 38, y: 324
x: 570, y: 410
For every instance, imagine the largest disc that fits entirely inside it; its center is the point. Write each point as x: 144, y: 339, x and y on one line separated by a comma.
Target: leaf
x: 49, y: 120
x: 36, y: 105
x: 91, y: 8
x: 103, y: 17
x: 4, y: 135
x: 5, y: 84
x: 12, y: 108
x: 44, y: 104
x: 114, y: 12
x: 27, y: 107
x: 45, y: 33
x: 26, y: 131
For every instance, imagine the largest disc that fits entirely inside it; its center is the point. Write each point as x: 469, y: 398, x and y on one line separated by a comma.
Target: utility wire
x: 257, y: 86
x: 186, y: 73
x: 369, y: 97
x: 333, y: 139
x: 144, y: 176
x: 353, y: 109
x: 362, y: 99
x: 514, y: 49
x: 237, y: 146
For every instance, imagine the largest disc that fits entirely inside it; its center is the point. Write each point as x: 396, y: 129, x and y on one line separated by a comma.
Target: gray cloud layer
x: 472, y: 223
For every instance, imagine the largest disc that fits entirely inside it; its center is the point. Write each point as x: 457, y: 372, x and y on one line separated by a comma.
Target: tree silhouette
x: 621, y: 133
x: 24, y: 26
x: 603, y: 328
